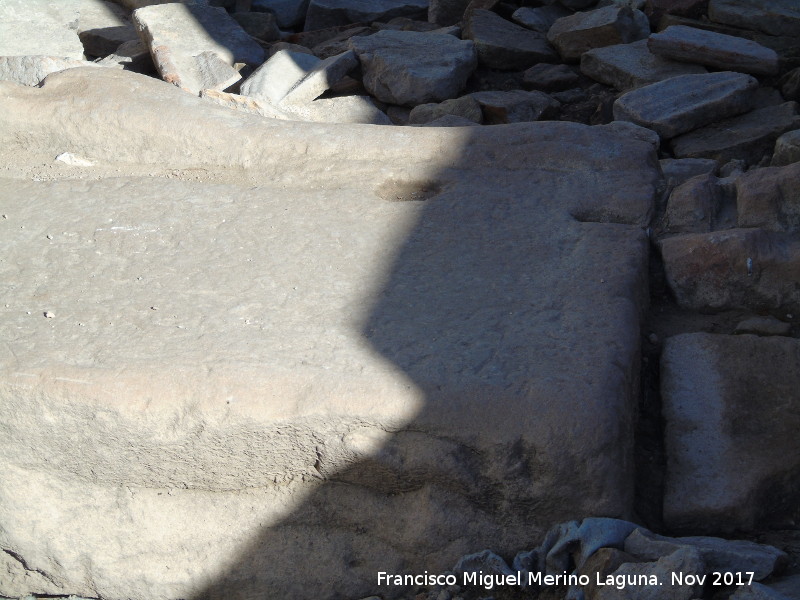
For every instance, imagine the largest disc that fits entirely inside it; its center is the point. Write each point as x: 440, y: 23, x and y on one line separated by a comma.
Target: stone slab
x: 731, y: 411
x: 371, y: 366
x: 31, y: 70
x: 504, y: 45
x: 727, y: 52
x: 289, y: 13
x: 39, y: 28
x: 774, y: 17
x: 178, y: 33
x: 769, y: 198
x: 103, y: 26
x: 787, y: 149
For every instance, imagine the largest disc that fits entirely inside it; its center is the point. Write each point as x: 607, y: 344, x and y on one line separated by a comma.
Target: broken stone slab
x: 331, y: 13
x: 787, y: 149
x: 247, y: 401
x: 724, y: 397
x: 748, y: 269
x: 540, y: 18
x: 320, y: 78
x: 630, y: 66
x: 31, y: 70
x: 465, y: 107
x: 279, y: 75
x: 550, y: 78
x: 40, y: 28
x: 262, y: 26
x: 503, y: 45
x: 763, y: 326
x: 339, y: 109
x: 446, y: 12
x: 775, y: 17
x: 749, y: 137
x: 132, y: 56
x: 583, y: 31
x: 194, y: 46
x: 288, y: 13
x: 410, y: 68
x: 340, y: 43
x: 693, y: 206
x: 688, y: 44
x: 726, y: 556
x: 515, y: 106
x: 103, y: 27
x: 769, y: 198
x: 683, y: 103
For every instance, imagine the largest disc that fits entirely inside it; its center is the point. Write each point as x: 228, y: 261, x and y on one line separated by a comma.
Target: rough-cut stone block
x: 40, y: 28
x: 339, y: 109
x: 31, y: 70
x: 262, y: 26
x: 465, y: 107
x: 410, y: 68
x: 770, y: 198
x: 380, y: 333
x: 686, y: 102
x: 446, y: 12
x: 133, y: 56
x: 183, y: 37
x: 787, y: 149
x: 631, y: 66
x: 726, y: 52
x: 541, y: 18
x: 503, y: 45
x: 273, y: 80
x: 515, y: 106
x: 693, y: 205
x: 748, y: 137
x: 739, y: 268
x: 731, y: 411
x: 550, y: 78
x: 330, y: 13
x: 775, y: 17
x: 582, y: 31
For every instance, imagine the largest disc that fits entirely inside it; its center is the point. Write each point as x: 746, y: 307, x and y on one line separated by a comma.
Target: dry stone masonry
x: 296, y: 293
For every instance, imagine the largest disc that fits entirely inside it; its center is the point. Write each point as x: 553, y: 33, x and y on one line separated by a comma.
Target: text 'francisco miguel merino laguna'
x: 491, y: 580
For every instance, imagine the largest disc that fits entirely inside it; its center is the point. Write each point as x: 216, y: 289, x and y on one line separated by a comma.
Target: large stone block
x: 40, y: 28
x: 365, y: 348
x: 775, y: 17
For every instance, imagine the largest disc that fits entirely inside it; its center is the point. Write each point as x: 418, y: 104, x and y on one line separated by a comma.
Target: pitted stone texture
x: 178, y: 34
x: 583, y: 31
x: 731, y: 411
x: 503, y: 45
x: 240, y: 433
x: 775, y: 17
x: 31, y: 70
x: 40, y: 28
x: 686, y: 102
x: 410, y: 68
x: 330, y: 13
x: 631, y: 66
x: 749, y: 137
x: 712, y: 49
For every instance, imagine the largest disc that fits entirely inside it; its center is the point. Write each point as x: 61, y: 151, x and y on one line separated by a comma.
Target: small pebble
x: 48, y: 314
x: 49, y: 237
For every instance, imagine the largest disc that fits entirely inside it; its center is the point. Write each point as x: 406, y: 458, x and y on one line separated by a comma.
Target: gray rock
x: 297, y: 48
x: 749, y: 137
x: 178, y: 34
x: 631, y: 66
x: 31, y: 70
x: 465, y: 107
x: 487, y: 561
x: 263, y: 26
x: 686, y: 102
x: 757, y: 591
x: 385, y: 331
x: 330, y: 13
x: 727, y: 52
x: 748, y: 269
x: 446, y: 12
x: 787, y: 149
x: 410, y: 68
x: 788, y: 586
x: 515, y: 106
x: 775, y: 17
x: 246, y: 104
x: 321, y: 78
x: 730, y: 405
x: 693, y: 205
x: 40, y: 28
x: 540, y: 18
x: 503, y: 45
x: 103, y: 27
x: 583, y: 31
x: 763, y: 326
x: 731, y: 556
x: 770, y: 198
x: 132, y: 56
x: 575, y: 544
x: 288, y: 13
x: 339, y: 109
x: 684, y: 561
x: 678, y: 170
x: 550, y: 78
x: 340, y: 42
x: 280, y: 75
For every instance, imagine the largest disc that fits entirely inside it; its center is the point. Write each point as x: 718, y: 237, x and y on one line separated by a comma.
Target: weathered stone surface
x: 725, y: 556
x: 103, y: 26
x: 238, y: 435
x: 466, y: 107
x: 330, y: 13
x: 279, y: 75
x: 446, y: 12
x: 183, y: 39
x: 515, y: 106
x: 727, y: 52
x: 340, y: 43
x: 503, y: 45
x: 132, y: 56
x: 339, y: 109
x: 686, y: 102
x: 790, y: 85
x: 410, y: 68
x: 775, y: 17
x: 787, y: 149
x: 263, y: 26
x: 601, y: 564
x: 39, y: 28
x: 288, y: 13
x: 757, y: 591
x: 31, y: 70
x: 246, y: 104
x: 730, y: 404
x: 683, y: 560
x: 631, y: 66
x: 770, y: 198
x: 540, y: 18
x: 583, y: 31
x: 763, y: 326
x: 450, y: 121
x: 569, y: 543
x: 550, y: 78
x: 748, y: 137
x: 693, y: 205
x: 738, y: 268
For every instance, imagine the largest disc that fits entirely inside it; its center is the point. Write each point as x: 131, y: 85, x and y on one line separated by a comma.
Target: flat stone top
x: 39, y: 27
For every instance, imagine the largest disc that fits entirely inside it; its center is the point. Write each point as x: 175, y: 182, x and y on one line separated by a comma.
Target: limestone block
x: 775, y: 17
x: 31, y: 70
x: 40, y: 28
x: 503, y: 45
